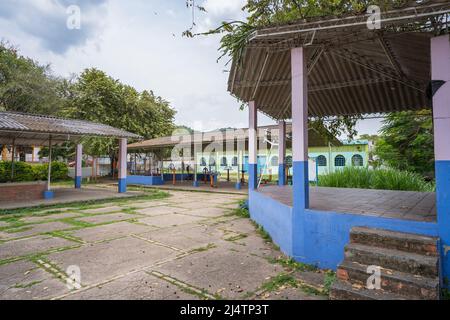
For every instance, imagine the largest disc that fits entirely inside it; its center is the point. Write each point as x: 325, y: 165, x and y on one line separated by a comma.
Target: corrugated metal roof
x: 30, y: 129
x: 206, y: 138
x: 351, y: 69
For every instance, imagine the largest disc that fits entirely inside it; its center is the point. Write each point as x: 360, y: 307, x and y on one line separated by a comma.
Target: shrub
x: 32, y: 172
x: 381, y: 179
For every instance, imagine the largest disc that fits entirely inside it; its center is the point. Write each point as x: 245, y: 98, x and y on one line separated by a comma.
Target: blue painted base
x: 252, y: 176
x: 443, y: 215
x: 324, y: 234
x: 238, y: 186
x: 300, y: 184
x: 49, y: 195
x: 145, y: 180
x: 78, y: 182
x: 122, y: 185
x: 281, y: 174
x: 196, y: 184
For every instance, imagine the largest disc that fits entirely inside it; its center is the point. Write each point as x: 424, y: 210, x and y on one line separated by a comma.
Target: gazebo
x: 231, y: 141
x: 338, y: 66
x: 20, y: 129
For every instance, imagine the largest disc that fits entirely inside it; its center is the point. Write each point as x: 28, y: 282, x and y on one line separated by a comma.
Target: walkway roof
x: 351, y: 69
x: 315, y: 138
x: 29, y: 129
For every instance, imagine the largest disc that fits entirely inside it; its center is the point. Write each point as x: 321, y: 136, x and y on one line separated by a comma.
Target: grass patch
x: 380, y: 179
x: 17, y: 230
x: 63, y: 235
x: 280, y: 280
x: 330, y: 278
x: 26, y: 285
x: 293, y: 265
x: 77, y: 223
x: 203, y: 249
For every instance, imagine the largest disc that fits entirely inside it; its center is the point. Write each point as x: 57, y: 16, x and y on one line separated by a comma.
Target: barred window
x: 321, y: 161
x: 339, y: 161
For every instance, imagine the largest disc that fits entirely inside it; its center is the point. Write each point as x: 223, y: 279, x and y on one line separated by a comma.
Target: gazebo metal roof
x: 29, y: 129
x: 351, y: 69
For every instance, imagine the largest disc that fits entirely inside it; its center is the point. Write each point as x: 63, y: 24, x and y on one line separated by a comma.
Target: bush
x: 380, y: 179
x: 32, y: 172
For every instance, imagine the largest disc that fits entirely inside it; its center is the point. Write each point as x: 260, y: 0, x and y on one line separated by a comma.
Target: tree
x: 406, y: 142
x: 27, y: 86
x: 97, y: 97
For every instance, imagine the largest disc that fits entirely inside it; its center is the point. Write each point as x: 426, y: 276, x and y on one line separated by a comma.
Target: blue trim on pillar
x: 300, y: 184
x: 48, y: 195
x: 123, y: 185
x: 78, y: 182
x: 443, y: 214
x: 300, y: 189
x: 196, y: 184
x: 252, y: 176
x: 238, y: 186
x: 281, y: 174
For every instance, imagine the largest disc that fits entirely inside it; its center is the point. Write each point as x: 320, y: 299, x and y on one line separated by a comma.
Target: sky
x: 138, y: 42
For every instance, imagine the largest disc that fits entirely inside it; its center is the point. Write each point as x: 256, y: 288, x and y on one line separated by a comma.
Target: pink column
x: 78, y: 166
x: 253, y: 146
x: 300, y: 128
x: 122, y: 165
x: 300, y: 185
x: 440, y: 72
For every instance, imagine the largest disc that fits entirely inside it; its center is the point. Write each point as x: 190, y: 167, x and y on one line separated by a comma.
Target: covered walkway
x: 21, y: 129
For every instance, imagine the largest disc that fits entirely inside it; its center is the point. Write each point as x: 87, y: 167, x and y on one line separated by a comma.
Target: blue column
x: 281, y: 153
x: 78, y: 166
x: 252, y: 147
x: 300, y: 181
x: 440, y: 61
x: 122, y: 165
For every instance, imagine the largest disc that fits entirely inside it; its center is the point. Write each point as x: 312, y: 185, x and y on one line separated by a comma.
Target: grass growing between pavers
x: 84, y: 205
x: 186, y: 288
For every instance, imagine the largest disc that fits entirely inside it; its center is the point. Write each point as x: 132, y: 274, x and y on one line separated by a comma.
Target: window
x: 235, y: 161
x: 339, y: 161
x: 274, y: 161
x: 212, y: 162
x: 357, y: 160
x: 224, y: 162
x: 321, y: 161
x: 203, y: 162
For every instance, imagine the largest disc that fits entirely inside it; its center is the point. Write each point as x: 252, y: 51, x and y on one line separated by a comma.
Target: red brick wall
x: 11, y: 192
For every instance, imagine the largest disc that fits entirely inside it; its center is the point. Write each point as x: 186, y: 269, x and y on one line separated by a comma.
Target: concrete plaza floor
x: 190, y: 245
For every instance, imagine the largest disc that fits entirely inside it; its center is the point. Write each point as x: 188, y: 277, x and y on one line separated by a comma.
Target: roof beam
x: 377, y: 68
x: 390, y: 55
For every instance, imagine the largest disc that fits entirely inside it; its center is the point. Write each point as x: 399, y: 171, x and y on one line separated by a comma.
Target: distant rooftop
x: 354, y: 142
x: 315, y: 138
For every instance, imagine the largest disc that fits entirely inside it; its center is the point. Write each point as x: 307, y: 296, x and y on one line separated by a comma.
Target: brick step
x: 341, y: 290
x: 392, y: 281
x: 406, y: 262
x: 407, y: 242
